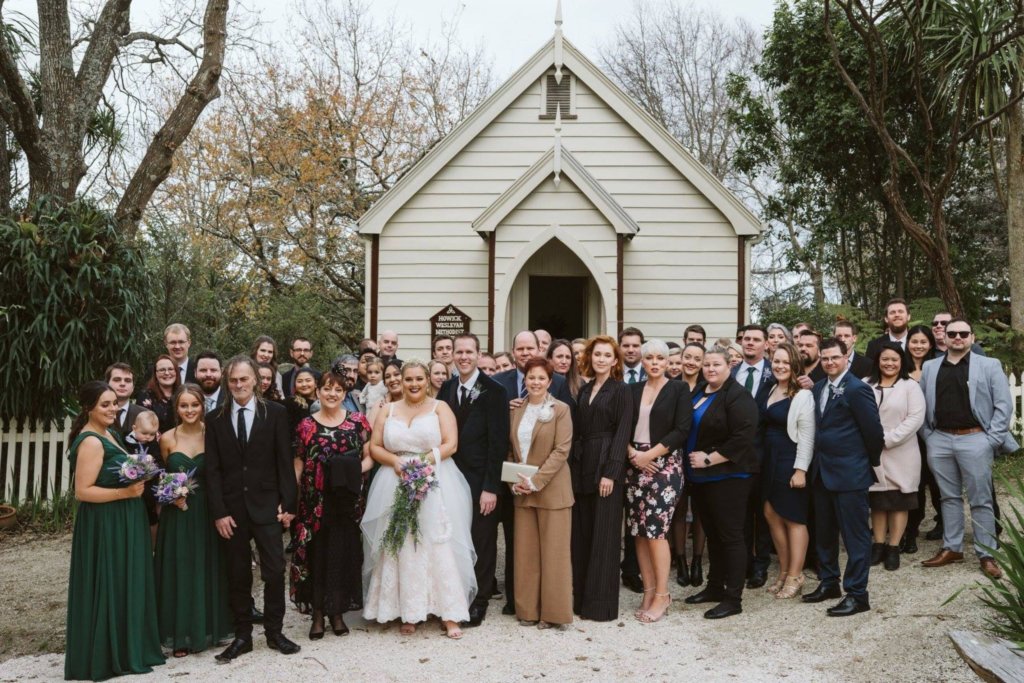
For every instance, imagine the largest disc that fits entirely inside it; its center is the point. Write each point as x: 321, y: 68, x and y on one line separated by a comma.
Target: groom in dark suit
x: 848, y: 442
x: 481, y: 410
x: 252, y: 497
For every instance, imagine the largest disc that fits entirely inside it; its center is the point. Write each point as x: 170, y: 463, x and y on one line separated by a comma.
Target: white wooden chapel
x: 560, y: 204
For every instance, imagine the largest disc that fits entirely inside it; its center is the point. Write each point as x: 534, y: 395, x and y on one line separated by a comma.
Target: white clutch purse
x: 510, y: 471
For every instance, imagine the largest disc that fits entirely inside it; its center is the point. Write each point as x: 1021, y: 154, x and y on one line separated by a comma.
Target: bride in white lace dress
x: 433, y: 576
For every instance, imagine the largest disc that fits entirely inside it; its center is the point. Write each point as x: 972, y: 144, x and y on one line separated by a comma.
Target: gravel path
x: 902, y: 638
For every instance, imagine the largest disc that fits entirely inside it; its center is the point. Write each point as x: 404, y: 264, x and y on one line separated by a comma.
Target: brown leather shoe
x: 990, y: 568
x: 942, y: 558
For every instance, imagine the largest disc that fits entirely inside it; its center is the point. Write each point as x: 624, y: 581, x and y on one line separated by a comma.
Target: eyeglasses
x: 939, y: 323
x: 963, y: 334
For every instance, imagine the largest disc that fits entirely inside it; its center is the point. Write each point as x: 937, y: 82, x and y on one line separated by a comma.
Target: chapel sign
x: 449, y: 321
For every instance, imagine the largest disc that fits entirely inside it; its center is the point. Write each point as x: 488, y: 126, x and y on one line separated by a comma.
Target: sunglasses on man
x: 963, y: 334
x: 939, y: 323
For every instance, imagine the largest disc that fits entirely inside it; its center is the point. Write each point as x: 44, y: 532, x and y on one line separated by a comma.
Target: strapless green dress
x: 111, y: 626
x: 191, y: 576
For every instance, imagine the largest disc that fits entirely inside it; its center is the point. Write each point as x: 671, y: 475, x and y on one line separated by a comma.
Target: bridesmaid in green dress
x: 191, y: 577
x: 111, y: 626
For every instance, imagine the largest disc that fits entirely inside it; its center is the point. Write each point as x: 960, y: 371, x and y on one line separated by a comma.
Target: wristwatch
x: 707, y: 461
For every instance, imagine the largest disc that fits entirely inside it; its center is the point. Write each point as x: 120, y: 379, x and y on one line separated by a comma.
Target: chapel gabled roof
x: 559, y: 50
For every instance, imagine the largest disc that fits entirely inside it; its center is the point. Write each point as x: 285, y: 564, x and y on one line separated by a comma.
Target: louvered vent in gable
x: 556, y: 96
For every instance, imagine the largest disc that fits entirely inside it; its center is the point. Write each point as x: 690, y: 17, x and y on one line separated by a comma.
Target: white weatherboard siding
x: 621, y: 173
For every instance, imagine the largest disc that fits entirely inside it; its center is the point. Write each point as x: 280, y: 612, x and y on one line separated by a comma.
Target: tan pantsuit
x: 543, y: 522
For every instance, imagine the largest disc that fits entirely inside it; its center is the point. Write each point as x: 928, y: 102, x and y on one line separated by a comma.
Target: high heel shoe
x: 682, y: 571
x: 777, y: 586
x: 792, y: 587
x: 636, y: 614
x: 315, y: 634
x: 696, y: 572
x: 339, y: 630
x: 648, y: 618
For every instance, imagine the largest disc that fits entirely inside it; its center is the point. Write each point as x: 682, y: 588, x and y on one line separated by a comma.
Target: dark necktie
x: 522, y: 388
x: 465, y: 395
x: 831, y: 395
x: 749, y: 383
x: 242, y: 437
x: 632, y: 376
x: 122, y: 415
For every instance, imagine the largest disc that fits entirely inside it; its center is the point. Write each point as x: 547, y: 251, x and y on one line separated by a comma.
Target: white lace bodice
x: 419, y: 436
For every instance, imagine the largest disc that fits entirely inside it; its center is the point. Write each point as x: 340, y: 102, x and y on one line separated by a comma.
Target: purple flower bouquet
x: 137, y: 467
x: 416, y: 481
x: 174, y: 485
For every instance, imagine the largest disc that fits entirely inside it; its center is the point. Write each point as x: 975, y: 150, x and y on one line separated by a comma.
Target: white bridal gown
x: 434, y: 576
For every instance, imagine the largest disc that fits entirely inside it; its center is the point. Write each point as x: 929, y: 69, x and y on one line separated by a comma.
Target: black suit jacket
x: 729, y: 426
x: 129, y: 419
x: 861, y: 366
x: 286, y: 381
x: 250, y: 483
x: 671, y: 414
x: 559, y: 387
x: 483, y: 432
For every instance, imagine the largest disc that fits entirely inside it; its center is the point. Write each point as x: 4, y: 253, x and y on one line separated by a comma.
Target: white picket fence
x: 33, y: 461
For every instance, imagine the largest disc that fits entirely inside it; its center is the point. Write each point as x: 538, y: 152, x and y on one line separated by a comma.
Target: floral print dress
x: 327, y: 548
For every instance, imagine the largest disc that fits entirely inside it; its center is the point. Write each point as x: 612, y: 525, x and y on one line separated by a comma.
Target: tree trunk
x: 1015, y: 212
x: 5, y: 172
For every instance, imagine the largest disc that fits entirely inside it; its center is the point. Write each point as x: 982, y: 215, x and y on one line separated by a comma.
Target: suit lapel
x: 835, y: 397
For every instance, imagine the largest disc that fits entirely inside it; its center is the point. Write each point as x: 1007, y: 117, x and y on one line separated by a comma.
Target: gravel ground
x: 902, y: 638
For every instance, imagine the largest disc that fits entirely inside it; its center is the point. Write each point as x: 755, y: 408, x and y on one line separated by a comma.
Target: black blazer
x: 861, y: 366
x: 559, y: 387
x: 286, y: 381
x: 729, y: 426
x: 129, y: 419
x: 250, y: 483
x: 671, y: 414
x: 483, y: 432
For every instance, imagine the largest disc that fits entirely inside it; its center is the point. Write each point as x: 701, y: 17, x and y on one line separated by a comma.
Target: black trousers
x: 506, y: 515
x: 630, y: 566
x: 723, y: 521
x: 595, y: 554
x: 239, y: 560
x: 484, y: 531
x: 755, y: 531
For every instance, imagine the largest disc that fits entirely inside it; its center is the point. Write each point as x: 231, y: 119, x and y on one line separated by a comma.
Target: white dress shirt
x: 745, y: 368
x: 183, y: 370
x: 467, y: 385
x: 250, y: 415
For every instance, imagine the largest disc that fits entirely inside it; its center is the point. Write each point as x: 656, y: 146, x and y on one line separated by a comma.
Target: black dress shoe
x: 696, y: 572
x: 255, y: 616
x: 706, y: 595
x: 848, y: 606
x: 509, y: 608
x: 824, y: 591
x: 892, y: 557
x: 476, y: 617
x: 935, y: 534
x: 757, y: 579
x: 909, y: 545
x: 277, y: 641
x: 723, y: 610
x: 633, y: 583
x: 877, y: 553
x: 237, y: 648
x: 682, y: 571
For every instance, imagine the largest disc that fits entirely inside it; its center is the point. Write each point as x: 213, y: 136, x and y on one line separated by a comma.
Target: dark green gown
x: 111, y: 627
x: 191, y: 576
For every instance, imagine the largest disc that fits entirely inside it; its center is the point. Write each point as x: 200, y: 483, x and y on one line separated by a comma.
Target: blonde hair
x: 146, y: 418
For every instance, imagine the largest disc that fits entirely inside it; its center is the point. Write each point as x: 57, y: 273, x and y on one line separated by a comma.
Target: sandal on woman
x: 453, y: 631
x: 407, y: 629
x: 181, y: 652
x: 641, y: 610
x: 777, y: 586
x: 649, y: 618
x: 792, y: 587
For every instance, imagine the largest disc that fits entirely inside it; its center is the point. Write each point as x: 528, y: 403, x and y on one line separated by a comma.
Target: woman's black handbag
x: 345, y: 471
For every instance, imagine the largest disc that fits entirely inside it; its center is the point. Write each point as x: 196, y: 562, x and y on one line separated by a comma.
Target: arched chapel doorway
x: 555, y: 291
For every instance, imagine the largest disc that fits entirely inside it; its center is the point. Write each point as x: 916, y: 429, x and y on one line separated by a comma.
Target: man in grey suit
x: 969, y: 409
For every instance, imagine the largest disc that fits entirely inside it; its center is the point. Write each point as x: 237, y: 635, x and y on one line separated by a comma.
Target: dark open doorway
x: 559, y: 305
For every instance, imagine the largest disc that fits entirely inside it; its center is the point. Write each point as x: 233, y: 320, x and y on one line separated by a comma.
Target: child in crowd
x: 143, y: 439
x: 374, y: 393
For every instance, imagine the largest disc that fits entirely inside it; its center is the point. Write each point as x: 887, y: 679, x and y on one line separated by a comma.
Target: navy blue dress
x: 779, y: 456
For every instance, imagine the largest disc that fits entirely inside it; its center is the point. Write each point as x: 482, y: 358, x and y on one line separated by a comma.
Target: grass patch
x: 54, y: 515
x: 1009, y: 467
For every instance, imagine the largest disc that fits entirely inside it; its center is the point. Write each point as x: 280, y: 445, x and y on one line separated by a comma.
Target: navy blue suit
x: 848, y: 443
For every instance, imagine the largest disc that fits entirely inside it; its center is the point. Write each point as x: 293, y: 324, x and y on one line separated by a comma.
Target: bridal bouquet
x: 415, y: 482
x: 171, y: 486
x: 137, y: 467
